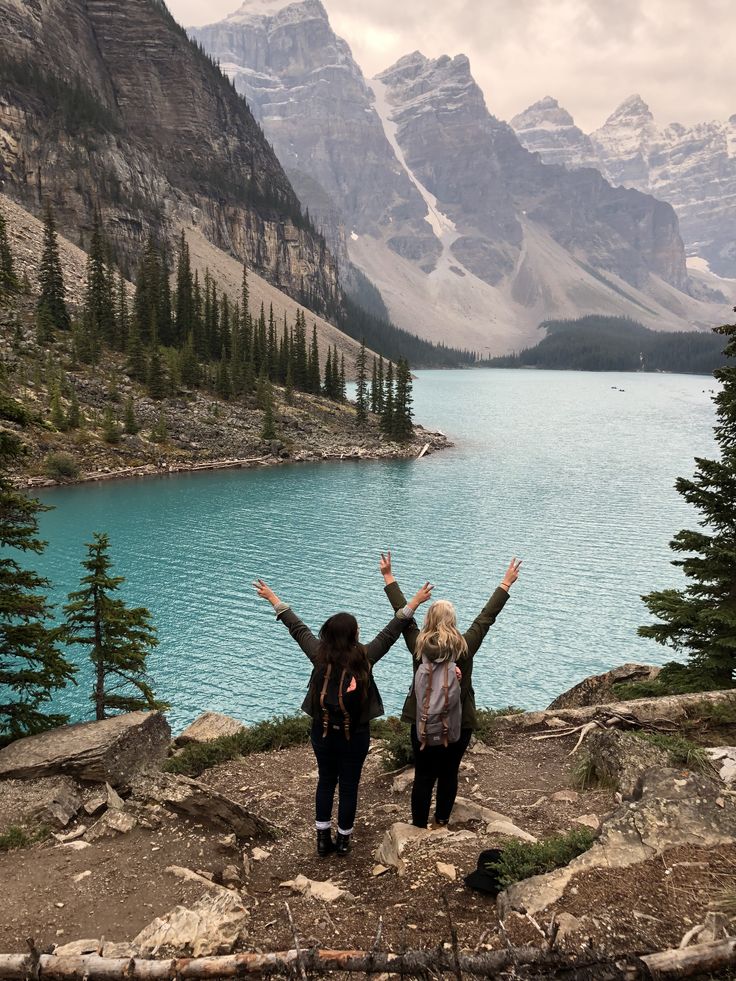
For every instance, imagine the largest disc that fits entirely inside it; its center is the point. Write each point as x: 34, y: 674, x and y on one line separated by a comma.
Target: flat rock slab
x: 213, y: 925
x: 598, y: 688
x: 110, y: 751
x: 325, y: 891
x: 209, y: 726
x: 675, y: 808
x: 201, y: 803
x: 724, y: 760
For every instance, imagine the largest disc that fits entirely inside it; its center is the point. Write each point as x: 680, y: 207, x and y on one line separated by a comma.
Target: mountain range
x: 692, y: 167
x: 467, y: 234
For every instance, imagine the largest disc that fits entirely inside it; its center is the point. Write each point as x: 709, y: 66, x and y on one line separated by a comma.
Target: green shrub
x: 396, y: 736
x: 673, y: 679
x: 681, y: 751
x: 521, y: 859
x: 487, y: 718
x: 271, y: 734
x: 61, y: 466
x: 16, y: 837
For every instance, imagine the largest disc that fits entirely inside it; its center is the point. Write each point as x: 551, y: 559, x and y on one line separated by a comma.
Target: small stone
x: 379, y: 870
x: 327, y: 891
x: 83, y: 875
x: 59, y: 905
x: 259, y: 854
x: 449, y: 871
x: 74, y: 846
x: 77, y: 948
x: 589, y: 820
x: 114, y: 800
x: 231, y: 876
x: 566, y: 796
x: 95, y: 805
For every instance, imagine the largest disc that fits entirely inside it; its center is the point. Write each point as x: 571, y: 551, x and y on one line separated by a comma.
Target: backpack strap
x: 345, y: 713
x: 325, y: 712
x: 445, y: 727
x: 425, y: 708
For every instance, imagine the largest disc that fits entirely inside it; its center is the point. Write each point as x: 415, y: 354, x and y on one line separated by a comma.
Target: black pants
x: 339, y: 761
x: 436, y: 765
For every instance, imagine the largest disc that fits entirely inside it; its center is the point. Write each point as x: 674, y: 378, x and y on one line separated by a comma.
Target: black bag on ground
x: 485, y: 877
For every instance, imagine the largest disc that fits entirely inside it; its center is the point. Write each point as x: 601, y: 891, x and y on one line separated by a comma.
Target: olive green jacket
x: 474, y: 638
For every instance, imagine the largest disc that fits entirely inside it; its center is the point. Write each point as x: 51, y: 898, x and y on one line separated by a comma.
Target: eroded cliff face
x: 693, y: 168
x: 106, y: 103
x: 315, y: 106
x: 491, y: 186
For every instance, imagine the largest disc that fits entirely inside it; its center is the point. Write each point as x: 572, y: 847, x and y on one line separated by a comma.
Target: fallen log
x: 664, y: 710
x: 688, y: 962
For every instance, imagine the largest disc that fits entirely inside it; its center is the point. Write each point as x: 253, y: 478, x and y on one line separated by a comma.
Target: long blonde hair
x: 440, y: 631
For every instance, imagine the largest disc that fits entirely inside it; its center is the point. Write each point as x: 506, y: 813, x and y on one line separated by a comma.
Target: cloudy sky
x: 589, y: 54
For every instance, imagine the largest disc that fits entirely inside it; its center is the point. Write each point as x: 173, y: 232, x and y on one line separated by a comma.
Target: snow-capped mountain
x: 691, y: 167
x: 469, y: 237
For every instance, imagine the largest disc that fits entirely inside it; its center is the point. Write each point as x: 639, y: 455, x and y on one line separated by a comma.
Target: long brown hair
x: 440, y: 632
x: 340, y: 647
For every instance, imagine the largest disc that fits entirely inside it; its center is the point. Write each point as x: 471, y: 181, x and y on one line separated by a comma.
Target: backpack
x: 336, y: 701
x: 439, y: 703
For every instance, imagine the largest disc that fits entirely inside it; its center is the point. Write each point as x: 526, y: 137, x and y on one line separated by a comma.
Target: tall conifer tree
x: 361, y: 392
x: 50, y: 275
x: 32, y: 667
x: 699, y: 621
x: 9, y: 283
x: 119, y: 638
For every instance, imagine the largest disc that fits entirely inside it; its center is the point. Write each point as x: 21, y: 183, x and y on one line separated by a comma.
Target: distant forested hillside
x: 597, y: 343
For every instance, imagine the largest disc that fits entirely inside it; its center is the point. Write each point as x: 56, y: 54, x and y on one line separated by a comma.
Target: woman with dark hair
x: 342, y: 699
x: 438, y: 643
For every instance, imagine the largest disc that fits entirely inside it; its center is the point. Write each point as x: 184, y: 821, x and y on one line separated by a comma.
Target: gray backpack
x: 439, y: 707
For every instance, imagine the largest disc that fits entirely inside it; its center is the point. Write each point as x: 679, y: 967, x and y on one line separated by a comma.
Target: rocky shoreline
x: 425, y: 443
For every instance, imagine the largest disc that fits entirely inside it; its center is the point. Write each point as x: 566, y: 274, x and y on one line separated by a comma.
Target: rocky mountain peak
x: 546, y: 113
x: 293, y: 11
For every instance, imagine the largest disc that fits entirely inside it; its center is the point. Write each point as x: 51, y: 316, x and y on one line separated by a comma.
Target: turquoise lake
x: 559, y: 468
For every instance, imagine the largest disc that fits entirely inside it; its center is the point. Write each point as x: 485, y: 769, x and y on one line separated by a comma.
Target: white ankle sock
x: 323, y: 825
x: 346, y: 833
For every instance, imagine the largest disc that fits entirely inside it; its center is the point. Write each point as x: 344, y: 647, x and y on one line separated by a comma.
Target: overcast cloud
x: 589, y: 54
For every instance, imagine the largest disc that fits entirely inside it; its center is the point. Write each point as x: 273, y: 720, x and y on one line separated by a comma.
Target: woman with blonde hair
x: 437, y: 649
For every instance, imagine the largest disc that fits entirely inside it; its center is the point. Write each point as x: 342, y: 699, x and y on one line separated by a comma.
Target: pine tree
x: 122, y: 316
x: 119, y: 638
x: 110, y: 428
x: 314, y: 380
x: 9, y: 283
x: 343, y: 389
x: 381, y: 386
x: 301, y: 378
x: 136, y: 353
x: 160, y: 432
x: 387, y: 416
x: 289, y: 391
x: 156, y: 375
x: 374, y: 387
x: 74, y: 413
x: 184, y: 293
x: 130, y: 423
x: 700, y: 620
x: 329, y: 389
x: 403, y: 427
x: 44, y: 326
x: 189, y: 366
x: 97, y: 320
x: 58, y: 419
x: 361, y: 393
x: 32, y: 667
x: 50, y: 276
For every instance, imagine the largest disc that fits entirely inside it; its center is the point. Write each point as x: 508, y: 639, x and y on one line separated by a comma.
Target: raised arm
x: 404, y: 616
x: 475, y: 634
x: 397, y: 600
x: 298, y: 630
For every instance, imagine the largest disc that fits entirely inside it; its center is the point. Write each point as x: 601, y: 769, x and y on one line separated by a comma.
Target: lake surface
x: 559, y: 468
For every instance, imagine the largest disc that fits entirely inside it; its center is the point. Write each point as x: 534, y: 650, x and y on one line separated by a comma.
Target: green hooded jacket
x: 474, y: 636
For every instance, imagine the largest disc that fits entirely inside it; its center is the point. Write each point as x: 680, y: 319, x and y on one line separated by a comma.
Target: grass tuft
x: 271, y: 734
x: 17, y: 837
x: 681, y: 751
x: 522, y: 859
x: 396, y: 736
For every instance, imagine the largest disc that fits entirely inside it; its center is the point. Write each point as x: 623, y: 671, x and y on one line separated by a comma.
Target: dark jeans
x: 440, y: 765
x: 339, y: 761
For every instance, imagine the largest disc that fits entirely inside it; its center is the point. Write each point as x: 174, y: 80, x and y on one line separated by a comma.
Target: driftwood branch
x: 688, y: 962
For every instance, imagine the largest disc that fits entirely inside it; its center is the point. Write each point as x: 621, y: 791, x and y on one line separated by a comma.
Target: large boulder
x: 213, y: 925
x: 598, y: 688
x: 112, y: 750
x: 209, y: 726
x: 201, y: 803
x: 674, y: 809
x: 621, y: 758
